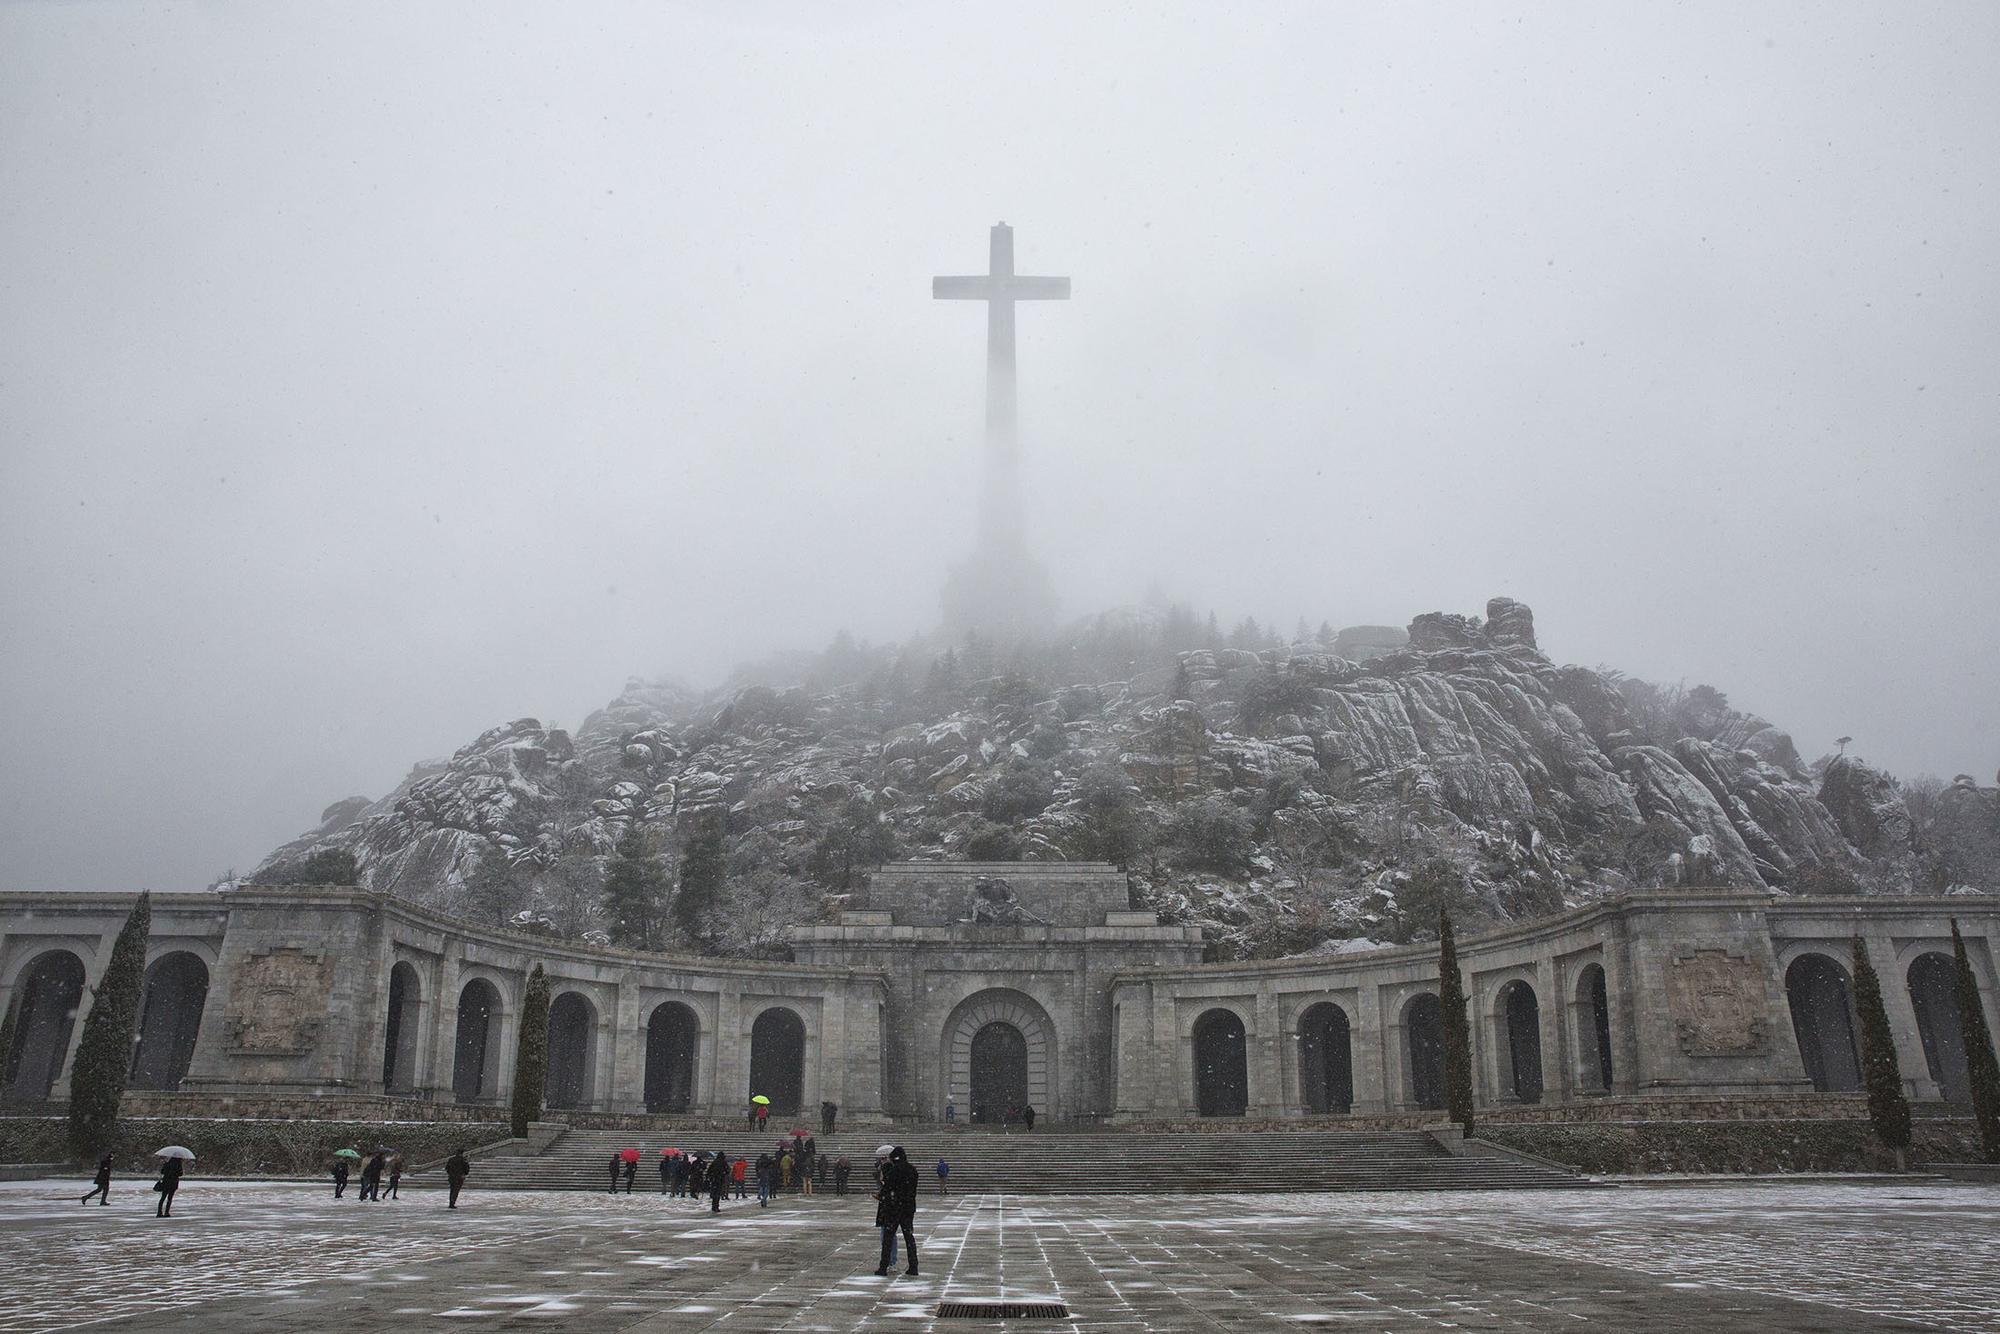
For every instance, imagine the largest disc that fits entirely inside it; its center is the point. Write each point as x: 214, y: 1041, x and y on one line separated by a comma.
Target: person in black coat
x: 101, y: 1183
x: 371, y: 1177
x: 631, y: 1170
x: 339, y: 1177
x: 617, y: 1166
x: 169, y: 1182
x: 456, y: 1169
x: 896, y: 1208
x: 718, y: 1181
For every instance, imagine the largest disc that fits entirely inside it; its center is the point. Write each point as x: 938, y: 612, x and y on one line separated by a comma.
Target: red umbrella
x: 800, y: 1130
x: 629, y: 1155
x: 668, y: 1153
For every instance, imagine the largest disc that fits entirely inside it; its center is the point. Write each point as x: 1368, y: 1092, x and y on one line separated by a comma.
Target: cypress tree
x: 104, y: 1055
x: 1981, y: 1068
x: 634, y: 891
x: 1457, y: 1033
x: 704, y: 866
x: 531, y: 1054
x: 1888, y: 1109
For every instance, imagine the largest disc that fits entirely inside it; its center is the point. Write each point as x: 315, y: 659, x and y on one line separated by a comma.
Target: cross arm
x: 1023, y: 288
x: 976, y: 288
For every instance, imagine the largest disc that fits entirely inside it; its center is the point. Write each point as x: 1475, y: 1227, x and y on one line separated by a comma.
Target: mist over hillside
x: 1289, y: 792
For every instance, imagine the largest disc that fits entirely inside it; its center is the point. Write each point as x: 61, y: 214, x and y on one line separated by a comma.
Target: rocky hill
x: 1290, y: 797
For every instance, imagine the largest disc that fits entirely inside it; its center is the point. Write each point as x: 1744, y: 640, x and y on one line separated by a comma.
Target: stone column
x: 1268, y: 1095
x: 444, y: 1032
x: 1552, y: 1032
x: 625, y: 1084
x: 732, y: 1066
x: 1902, y: 1012
x: 1366, y: 1034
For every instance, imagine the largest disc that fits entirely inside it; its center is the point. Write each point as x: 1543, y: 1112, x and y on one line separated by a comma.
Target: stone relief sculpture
x: 994, y: 904
x: 1719, y: 1003
x: 278, y: 1002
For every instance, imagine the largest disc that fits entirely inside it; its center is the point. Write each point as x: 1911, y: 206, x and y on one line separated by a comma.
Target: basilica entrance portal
x: 999, y: 1071
x: 999, y: 1052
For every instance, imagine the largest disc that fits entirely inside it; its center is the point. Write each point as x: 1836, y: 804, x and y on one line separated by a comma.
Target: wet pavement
x: 282, y: 1258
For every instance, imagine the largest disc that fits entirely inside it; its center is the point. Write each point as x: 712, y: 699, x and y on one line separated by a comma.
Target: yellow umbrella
x: 760, y: 1100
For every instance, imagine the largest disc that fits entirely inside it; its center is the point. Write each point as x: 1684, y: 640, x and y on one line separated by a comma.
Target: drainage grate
x: 997, y: 1310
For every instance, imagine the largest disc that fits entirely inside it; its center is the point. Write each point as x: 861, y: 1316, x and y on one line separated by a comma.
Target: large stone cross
x: 1000, y: 287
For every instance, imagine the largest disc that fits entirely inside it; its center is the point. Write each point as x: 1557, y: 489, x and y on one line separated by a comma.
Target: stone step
x: 1094, y: 1163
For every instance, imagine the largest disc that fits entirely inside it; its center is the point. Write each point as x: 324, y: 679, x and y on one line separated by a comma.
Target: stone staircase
x: 1095, y: 1162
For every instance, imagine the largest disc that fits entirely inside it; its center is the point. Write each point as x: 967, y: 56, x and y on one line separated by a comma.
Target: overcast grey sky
x: 371, y: 374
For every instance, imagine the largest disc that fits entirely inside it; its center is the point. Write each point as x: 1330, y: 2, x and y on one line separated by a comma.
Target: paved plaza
x: 283, y: 1257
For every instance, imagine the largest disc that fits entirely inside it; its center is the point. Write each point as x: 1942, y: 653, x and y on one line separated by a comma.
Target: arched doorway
x: 1221, y: 1064
x: 47, y: 993
x: 1326, y: 1059
x: 1596, y: 1015
x: 1016, y: 1077
x: 169, y: 1018
x: 778, y: 1059
x: 1423, y: 1049
x: 1934, y: 995
x: 399, y: 1042
x: 475, y: 1067
x: 672, y: 1036
x: 1520, y: 1018
x: 572, y: 1051
x: 999, y: 1075
x: 1823, y: 1018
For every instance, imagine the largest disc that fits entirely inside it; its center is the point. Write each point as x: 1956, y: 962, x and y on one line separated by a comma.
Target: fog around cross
x: 372, y: 375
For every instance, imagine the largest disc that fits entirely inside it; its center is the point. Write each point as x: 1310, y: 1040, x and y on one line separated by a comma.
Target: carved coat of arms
x: 1719, y: 1002
x: 278, y: 1002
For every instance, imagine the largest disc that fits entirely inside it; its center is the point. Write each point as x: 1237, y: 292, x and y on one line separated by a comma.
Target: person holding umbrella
x: 101, y: 1183
x: 617, y: 1166
x: 371, y: 1176
x: 628, y: 1166
x: 896, y: 1209
x: 395, y: 1173
x: 341, y: 1159
x: 170, y: 1177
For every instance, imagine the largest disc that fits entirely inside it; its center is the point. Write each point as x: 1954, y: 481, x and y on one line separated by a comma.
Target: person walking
x: 944, y: 1174
x: 456, y: 1169
x: 339, y: 1177
x: 820, y: 1170
x: 617, y: 1165
x: 950, y: 1110
x: 395, y: 1174
x: 805, y: 1171
x: 739, y: 1169
x: 1028, y: 1116
x: 785, y: 1170
x: 666, y: 1171
x: 169, y: 1182
x: 764, y: 1171
x: 896, y: 1208
x: 371, y: 1177
x: 630, y: 1170
x: 761, y: 1118
x: 101, y: 1183
x: 827, y: 1111
x: 841, y: 1168
x: 718, y: 1181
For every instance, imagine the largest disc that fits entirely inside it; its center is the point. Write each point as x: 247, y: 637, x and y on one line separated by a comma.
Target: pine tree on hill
x: 1182, y: 687
x: 1888, y: 1109
x: 635, y: 895
x: 104, y: 1055
x: 1981, y: 1068
x: 1457, y: 1032
x: 531, y: 1055
x: 704, y: 868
